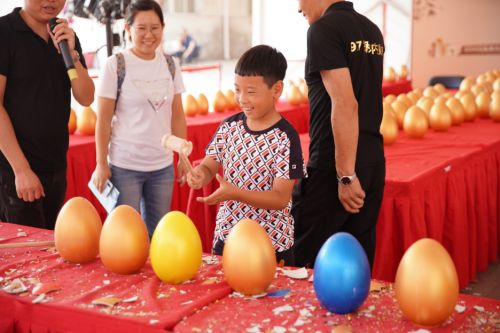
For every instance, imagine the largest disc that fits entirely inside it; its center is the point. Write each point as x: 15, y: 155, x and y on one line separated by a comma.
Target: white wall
x: 279, y: 24
x: 456, y: 23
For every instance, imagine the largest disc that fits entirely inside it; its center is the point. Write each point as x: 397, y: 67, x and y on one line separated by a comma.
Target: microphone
x: 64, y: 48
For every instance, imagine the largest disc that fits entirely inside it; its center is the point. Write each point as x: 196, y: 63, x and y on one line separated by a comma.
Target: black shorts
x: 318, y: 213
x: 41, y: 213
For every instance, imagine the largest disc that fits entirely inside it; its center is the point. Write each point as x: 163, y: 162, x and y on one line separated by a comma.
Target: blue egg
x: 341, y: 274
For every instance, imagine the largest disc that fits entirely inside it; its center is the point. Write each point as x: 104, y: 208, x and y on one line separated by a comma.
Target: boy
x: 260, y: 154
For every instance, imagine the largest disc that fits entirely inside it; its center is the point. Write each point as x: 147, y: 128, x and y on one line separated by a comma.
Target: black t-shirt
x: 37, y: 95
x: 344, y: 38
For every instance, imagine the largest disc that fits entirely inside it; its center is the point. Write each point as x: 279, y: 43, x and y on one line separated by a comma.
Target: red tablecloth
x: 445, y: 186
x: 158, y: 306
x: 204, y: 304
x: 81, y: 152
x: 396, y: 87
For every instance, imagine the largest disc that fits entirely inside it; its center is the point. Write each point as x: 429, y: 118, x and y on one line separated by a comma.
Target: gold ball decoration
x: 389, y: 127
x: 483, y: 101
x: 469, y: 103
x: 405, y: 100
x: 457, y: 111
x: 495, y: 109
x: 467, y: 83
x: 415, y: 123
x: 440, y: 117
x: 426, y: 283
x: 390, y: 98
x: 430, y: 92
x: 496, y: 85
x: 425, y: 103
x: 440, y: 88
x: 400, y: 110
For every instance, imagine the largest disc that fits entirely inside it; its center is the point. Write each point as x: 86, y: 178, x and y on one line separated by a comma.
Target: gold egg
x: 415, y: 123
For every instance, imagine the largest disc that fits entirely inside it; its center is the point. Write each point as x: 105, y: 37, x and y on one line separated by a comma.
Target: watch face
x: 345, y: 180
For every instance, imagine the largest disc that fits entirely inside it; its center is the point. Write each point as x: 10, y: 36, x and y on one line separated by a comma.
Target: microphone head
x: 53, y: 23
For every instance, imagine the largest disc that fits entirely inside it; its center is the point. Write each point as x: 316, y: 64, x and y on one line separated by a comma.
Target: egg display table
x: 88, y: 298
x: 445, y: 186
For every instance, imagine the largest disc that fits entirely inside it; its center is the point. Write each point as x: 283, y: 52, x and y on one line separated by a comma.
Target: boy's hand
x: 226, y: 191
x: 195, y: 179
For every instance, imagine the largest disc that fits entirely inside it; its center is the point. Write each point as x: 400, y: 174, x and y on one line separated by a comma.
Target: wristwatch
x: 346, y: 180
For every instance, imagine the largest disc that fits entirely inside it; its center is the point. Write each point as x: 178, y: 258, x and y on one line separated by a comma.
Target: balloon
x: 77, y: 231
x: 124, y: 242
x: 341, y: 274
x: 248, y: 258
x: 426, y: 283
x: 175, y: 250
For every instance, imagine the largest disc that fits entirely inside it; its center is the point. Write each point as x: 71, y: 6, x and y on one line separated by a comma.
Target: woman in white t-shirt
x: 131, y: 124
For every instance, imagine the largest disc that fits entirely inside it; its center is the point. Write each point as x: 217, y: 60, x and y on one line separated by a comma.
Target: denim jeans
x: 149, y: 192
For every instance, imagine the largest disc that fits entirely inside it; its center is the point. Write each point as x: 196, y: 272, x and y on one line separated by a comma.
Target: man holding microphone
x: 35, y: 102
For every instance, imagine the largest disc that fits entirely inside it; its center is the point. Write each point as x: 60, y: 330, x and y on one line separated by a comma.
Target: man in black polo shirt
x: 35, y: 97
x: 346, y: 168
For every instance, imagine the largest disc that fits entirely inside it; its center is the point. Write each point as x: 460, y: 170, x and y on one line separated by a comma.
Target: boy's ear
x: 278, y: 89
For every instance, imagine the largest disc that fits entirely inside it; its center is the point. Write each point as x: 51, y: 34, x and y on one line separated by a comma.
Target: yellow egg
x: 77, y: 231
x: 248, y: 258
x: 124, y: 242
x: 175, y: 251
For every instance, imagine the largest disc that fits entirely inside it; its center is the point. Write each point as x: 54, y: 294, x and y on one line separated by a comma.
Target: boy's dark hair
x: 262, y: 60
x: 143, y: 6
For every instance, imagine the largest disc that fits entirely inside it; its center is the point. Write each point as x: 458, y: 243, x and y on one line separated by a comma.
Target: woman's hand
x: 100, y: 176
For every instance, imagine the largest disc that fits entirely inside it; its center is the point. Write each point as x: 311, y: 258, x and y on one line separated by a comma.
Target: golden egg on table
x: 440, y: 117
x: 400, y: 110
x: 457, y: 111
x: 415, y: 123
x: 77, y: 231
x: 496, y: 84
x: 483, y: 101
x: 124, y: 242
x: 231, y: 100
x: 190, y: 106
x: 72, y: 121
x: 86, y: 121
x: 405, y: 100
x: 390, y: 98
x: 175, y: 251
x: 426, y: 283
x: 425, y: 103
x: 389, y: 127
x: 202, y: 104
x: 467, y: 83
x: 220, y: 102
x: 469, y: 104
x: 495, y: 109
x: 430, y: 92
x: 440, y: 88
x: 248, y: 258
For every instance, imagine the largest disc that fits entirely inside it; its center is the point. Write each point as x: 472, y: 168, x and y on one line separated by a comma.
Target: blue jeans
x: 150, y: 193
